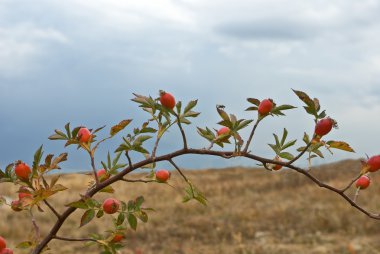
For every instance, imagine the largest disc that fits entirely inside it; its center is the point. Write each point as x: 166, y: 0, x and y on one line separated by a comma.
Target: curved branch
x: 170, y: 156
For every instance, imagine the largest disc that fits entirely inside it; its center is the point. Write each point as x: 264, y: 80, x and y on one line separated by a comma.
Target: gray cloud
x: 267, y: 29
x: 80, y: 61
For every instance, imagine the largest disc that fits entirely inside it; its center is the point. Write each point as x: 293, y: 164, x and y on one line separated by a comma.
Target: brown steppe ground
x: 249, y: 211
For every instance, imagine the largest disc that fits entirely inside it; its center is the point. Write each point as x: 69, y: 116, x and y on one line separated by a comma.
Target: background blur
x: 80, y: 61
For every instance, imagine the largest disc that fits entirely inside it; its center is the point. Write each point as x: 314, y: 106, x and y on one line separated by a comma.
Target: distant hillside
x: 249, y: 211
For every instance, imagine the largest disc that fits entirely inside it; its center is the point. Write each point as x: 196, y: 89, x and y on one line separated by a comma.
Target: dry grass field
x: 249, y: 211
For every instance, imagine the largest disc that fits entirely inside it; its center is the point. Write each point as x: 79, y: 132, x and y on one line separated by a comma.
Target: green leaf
x: 284, y: 107
x: 143, y: 216
x: 104, y: 165
x: 131, y: 205
x: 140, y: 150
x: 286, y: 155
x: 148, y: 130
x: 78, y: 204
x: 99, y: 129
x: 92, y: 203
x: 222, y: 113
x: 277, y: 140
x: 139, y: 201
x: 274, y: 148
x: 58, y: 136
x: 191, y: 114
x: 120, y: 219
x: 116, y: 159
x: 58, y: 187
x: 190, y: 106
x: 300, y: 149
x: 37, y: 159
x: 2, y: 200
x: 141, y: 139
x: 108, y: 189
x: 87, y: 217
x: 311, y: 106
x: 99, y: 214
x: 284, y: 136
x: 340, y: 145
x: 306, y: 138
x: 62, y: 157
x: 322, y: 114
x: 254, y: 101
x: 123, y: 206
x: 132, y: 221
x: 289, y: 144
x: 68, y: 132
x: 243, y: 124
x: 319, y: 153
x: 120, y: 126
x: 178, y: 107
x: 74, y: 132
x: 206, y: 133
x: 254, y: 108
x: 24, y: 245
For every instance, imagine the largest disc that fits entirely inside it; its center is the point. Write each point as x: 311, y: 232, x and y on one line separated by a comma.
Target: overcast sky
x: 80, y: 62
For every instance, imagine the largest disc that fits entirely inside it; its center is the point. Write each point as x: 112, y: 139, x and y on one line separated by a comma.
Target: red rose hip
x: 16, y: 205
x: 276, y: 166
x: 162, y: 175
x: 23, y: 171
x: 117, y: 238
x: 223, y: 130
x: 102, y: 175
x: 111, y: 205
x: 324, y: 126
x: 167, y: 100
x: 265, y: 107
x: 374, y: 163
x: 363, y: 182
x: 3, y: 244
x: 84, y: 135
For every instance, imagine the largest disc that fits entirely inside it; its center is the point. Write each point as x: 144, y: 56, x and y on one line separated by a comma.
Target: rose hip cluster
x: 323, y: 127
x: 371, y: 165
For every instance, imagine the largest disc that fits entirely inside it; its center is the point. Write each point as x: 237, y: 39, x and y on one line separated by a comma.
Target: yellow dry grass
x: 249, y: 211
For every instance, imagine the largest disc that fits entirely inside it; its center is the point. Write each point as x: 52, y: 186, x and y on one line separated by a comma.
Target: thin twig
x: 356, y: 194
x: 155, y: 147
x: 94, y: 168
x: 138, y: 180
x: 101, y: 141
x: 182, y: 131
x: 52, y: 208
x: 36, y: 228
x: 300, y: 154
x: 129, y: 159
x: 74, y: 239
x: 179, y: 170
x: 251, y: 135
x: 351, y: 183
